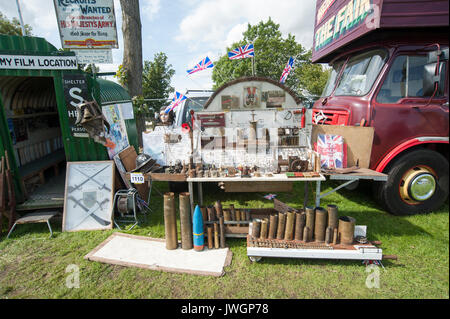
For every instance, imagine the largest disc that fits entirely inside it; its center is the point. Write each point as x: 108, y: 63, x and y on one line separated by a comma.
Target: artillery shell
x: 197, y: 226
x: 211, y: 213
x: 306, y: 234
x: 281, y: 225
x: 170, y: 221
x: 222, y: 232
x: 300, y: 220
x: 289, y: 231
x: 185, y: 221
x: 226, y: 215
x: 273, y: 226
x: 256, y: 228
x: 335, y: 236
x: 233, y: 212
x: 210, y: 237
x: 328, y: 235
x: 309, y: 218
x: 346, y: 229
x: 332, y: 216
x: 216, y: 235
x: 218, y: 207
x: 247, y: 214
x: 205, y: 216
x: 320, y: 224
x: 263, y: 229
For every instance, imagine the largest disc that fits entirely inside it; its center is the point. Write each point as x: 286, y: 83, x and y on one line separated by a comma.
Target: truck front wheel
x: 417, y: 183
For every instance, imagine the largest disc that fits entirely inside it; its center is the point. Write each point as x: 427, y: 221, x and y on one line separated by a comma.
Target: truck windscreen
x: 331, y: 83
x: 360, y: 73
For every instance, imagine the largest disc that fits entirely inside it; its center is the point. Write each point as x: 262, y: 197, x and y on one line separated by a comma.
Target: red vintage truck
x: 389, y: 70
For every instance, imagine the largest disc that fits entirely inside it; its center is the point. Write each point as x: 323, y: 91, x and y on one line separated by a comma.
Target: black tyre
x: 417, y: 183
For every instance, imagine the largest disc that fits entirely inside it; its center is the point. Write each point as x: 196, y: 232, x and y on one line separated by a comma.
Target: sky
x: 185, y: 30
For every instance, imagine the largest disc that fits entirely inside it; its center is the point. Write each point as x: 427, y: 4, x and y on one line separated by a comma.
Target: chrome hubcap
x: 422, y: 187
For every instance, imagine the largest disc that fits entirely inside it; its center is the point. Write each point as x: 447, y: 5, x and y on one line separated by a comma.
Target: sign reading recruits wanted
x: 75, y: 92
x: 86, y: 24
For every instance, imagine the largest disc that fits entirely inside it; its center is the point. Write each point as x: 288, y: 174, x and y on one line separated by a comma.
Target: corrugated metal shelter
x: 25, y: 90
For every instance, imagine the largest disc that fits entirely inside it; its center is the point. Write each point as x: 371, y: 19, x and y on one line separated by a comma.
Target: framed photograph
x: 88, y: 199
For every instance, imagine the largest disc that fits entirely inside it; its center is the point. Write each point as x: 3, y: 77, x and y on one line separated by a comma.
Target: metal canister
x: 211, y: 213
x: 185, y: 221
x: 320, y: 224
x: 306, y: 234
x: 256, y: 228
x: 328, y: 235
x: 222, y: 232
x: 281, y: 225
x: 218, y: 207
x: 170, y: 221
x: 264, y: 225
x: 332, y: 216
x: 346, y: 229
x: 273, y: 224
x: 216, y: 235
x: 210, y: 237
x: 300, y: 220
x: 335, y: 236
x: 289, y: 230
x: 309, y: 218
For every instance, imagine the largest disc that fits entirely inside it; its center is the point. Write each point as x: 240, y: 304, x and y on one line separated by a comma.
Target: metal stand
x: 130, y: 194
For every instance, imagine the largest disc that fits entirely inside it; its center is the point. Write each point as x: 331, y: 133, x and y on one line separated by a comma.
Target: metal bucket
x: 346, y: 229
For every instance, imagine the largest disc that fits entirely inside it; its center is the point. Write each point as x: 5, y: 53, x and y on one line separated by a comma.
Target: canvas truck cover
x: 340, y: 22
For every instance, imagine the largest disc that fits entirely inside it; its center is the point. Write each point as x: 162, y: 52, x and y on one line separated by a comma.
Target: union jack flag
x: 287, y: 70
x: 204, y: 64
x: 270, y: 196
x: 331, y: 150
x: 246, y: 51
x: 177, y: 99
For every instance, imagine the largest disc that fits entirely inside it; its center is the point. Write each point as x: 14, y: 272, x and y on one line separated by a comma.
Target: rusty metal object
x: 247, y: 215
x: 307, y: 234
x: 216, y: 235
x: 204, y: 216
x: 218, y: 207
x: 227, y: 215
x: 332, y: 216
x: 210, y: 237
x: 300, y: 221
x: 185, y: 221
x: 273, y: 224
x: 222, y: 232
x: 328, y: 235
x: 211, y: 213
x: 310, y: 214
x: 281, y: 225
x: 264, y: 225
x: 289, y: 229
x: 346, y: 230
x: 256, y: 228
x: 320, y: 224
x: 335, y: 236
x: 170, y: 221
x: 232, y: 212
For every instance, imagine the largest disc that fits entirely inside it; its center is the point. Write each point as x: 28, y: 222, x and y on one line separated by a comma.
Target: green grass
x: 33, y: 266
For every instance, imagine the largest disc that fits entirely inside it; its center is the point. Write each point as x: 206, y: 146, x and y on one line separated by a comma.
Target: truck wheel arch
x: 425, y: 141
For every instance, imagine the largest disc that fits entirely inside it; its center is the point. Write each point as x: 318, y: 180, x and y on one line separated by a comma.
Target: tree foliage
x: 272, y: 52
x: 12, y: 27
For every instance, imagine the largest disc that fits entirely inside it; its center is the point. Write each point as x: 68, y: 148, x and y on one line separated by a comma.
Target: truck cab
x: 389, y: 70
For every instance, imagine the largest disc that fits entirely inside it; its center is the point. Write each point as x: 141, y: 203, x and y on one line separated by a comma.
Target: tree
x: 272, y: 52
x: 132, y: 42
x: 12, y: 27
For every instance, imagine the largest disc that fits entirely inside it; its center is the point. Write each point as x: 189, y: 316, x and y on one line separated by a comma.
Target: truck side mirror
x: 430, y: 78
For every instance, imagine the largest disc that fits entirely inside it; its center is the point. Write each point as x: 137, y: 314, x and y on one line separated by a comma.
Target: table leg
x: 318, y: 184
x: 50, y: 228
x: 305, y: 198
x: 11, y: 230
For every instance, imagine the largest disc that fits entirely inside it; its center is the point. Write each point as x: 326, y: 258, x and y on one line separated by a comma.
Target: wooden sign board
x: 359, y: 141
x: 88, y: 199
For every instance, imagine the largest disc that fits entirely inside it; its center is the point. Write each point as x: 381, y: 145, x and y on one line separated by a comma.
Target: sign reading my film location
x: 75, y: 92
x: 86, y: 24
x: 31, y: 62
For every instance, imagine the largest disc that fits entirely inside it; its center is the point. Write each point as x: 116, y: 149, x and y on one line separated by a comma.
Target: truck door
x: 401, y: 112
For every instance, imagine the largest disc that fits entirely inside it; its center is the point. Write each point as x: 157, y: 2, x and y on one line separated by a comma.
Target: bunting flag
x: 177, y: 99
x: 204, y: 64
x: 246, y: 51
x: 287, y: 70
x: 270, y: 196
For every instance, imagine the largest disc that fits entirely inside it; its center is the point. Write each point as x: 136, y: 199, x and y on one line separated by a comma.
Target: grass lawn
x: 33, y: 266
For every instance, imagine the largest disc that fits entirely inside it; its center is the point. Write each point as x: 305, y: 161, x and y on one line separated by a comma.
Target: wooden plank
x: 39, y: 217
x: 359, y: 141
x: 361, y: 173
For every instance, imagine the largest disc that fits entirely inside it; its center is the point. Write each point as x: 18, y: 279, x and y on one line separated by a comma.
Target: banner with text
x: 86, y: 24
x: 75, y: 92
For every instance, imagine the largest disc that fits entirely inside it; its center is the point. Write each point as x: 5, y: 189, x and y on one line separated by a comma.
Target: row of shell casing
x: 313, y: 224
x: 170, y: 221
